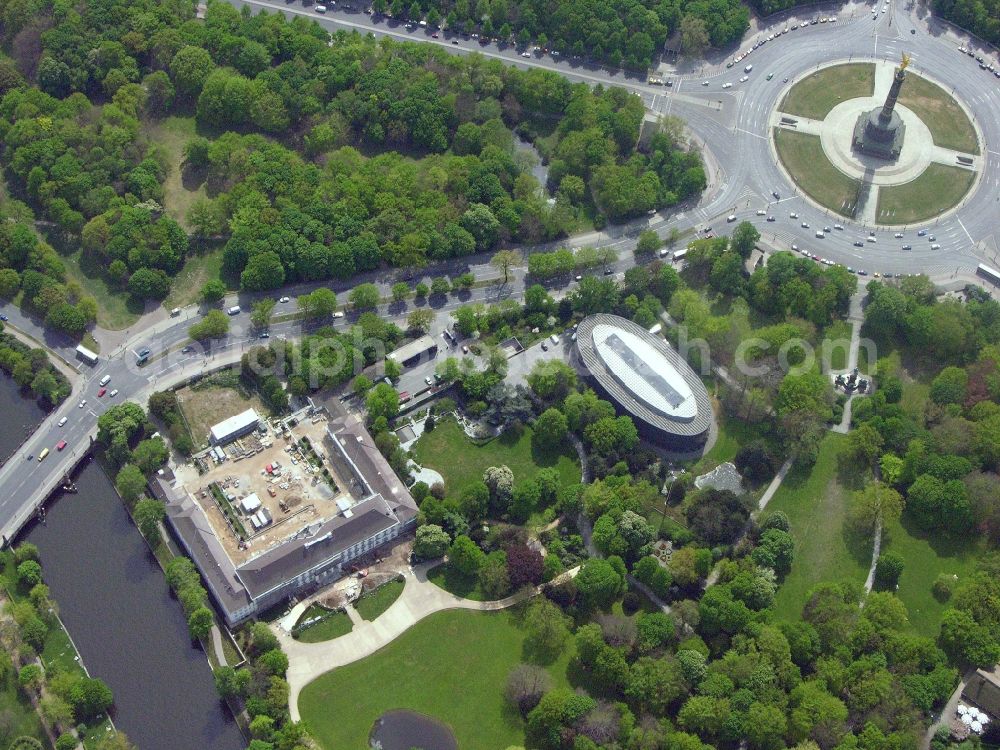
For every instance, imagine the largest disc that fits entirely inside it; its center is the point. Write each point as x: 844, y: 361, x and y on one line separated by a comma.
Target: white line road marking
x: 755, y: 135
x: 965, y: 230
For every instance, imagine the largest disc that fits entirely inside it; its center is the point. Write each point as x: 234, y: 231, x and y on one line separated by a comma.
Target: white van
x: 105, y: 380
x: 234, y: 310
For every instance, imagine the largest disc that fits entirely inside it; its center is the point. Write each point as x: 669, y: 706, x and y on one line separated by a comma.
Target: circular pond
x: 402, y: 730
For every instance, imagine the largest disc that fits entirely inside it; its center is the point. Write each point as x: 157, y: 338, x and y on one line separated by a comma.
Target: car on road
x: 898, y: 235
x: 819, y: 234
x: 545, y: 347
x: 265, y: 335
x: 3, y: 318
x: 113, y: 393
x: 455, y: 42
x: 428, y: 380
x: 935, y: 246
x: 827, y: 230
x: 922, y: 233
x: 60, y: 445
x: 101, y: 392
x: 770, y: 218
x: 525, y: 54
x: 283, y: 300
x: 761, y: 212
x: 82, y: 404
x: 748, y: 68
x: 62, y: 421
x: 187, y: 349
x: 870, y: 238
x: 858, y: 243
x: 907, y: 247
x: 320, y: 9
x: 744, y: 79
x: 731, y: 218
x: 839, y: 227
x: 608, y: 271
x: 862, y: 272
x: 805, y: 224
x: 931, y: 238
x: 770, y: 76
x: 776, y: 195
x: 727, y: 85
x: 793, y: 215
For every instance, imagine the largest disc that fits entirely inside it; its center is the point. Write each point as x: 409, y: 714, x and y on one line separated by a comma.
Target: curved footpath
x: 420, y: 598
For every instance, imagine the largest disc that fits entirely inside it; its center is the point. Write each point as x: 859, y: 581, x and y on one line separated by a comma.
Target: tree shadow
x: 850, y: 475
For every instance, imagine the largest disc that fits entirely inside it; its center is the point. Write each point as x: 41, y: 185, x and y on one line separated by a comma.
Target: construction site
x: 267, y: 485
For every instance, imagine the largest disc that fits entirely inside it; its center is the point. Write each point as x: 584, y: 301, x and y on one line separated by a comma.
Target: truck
x: 86, y: 355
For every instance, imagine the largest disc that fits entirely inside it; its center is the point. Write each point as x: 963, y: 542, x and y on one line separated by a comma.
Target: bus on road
x: 991, y: 274
x: 86, y: 355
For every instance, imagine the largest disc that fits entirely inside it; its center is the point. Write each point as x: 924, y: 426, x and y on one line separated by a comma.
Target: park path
x: 420, y: 598
x: 856, y: 317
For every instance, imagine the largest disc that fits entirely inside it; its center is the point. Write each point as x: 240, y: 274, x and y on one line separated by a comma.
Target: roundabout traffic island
x: 876, y: 143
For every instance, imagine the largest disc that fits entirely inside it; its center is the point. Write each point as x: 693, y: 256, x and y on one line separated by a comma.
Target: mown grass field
x: 462, y: 462
x: 937, y: 189
x: 816, y: 501
x: 802, y: 156
x: 925, y: 556
x: 419, y: 671
x: 370, y: 606
x: 947, y: 121
x: 815, y: 95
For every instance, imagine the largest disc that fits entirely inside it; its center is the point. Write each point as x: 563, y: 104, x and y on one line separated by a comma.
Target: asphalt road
x: 730, y: 122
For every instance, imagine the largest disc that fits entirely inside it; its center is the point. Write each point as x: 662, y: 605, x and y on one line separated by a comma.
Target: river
x: 115, y: 603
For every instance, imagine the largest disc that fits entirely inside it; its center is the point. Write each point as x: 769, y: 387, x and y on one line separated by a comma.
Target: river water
x: 118, y: 609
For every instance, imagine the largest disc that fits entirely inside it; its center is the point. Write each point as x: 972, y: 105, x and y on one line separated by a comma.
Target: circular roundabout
x: 876, y: 143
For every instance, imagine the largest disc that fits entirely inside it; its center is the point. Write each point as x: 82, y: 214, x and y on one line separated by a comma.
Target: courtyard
x: 284, y: 478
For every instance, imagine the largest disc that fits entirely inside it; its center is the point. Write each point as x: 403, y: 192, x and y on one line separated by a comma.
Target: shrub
x: 888, y: 569
x: 944, y: 586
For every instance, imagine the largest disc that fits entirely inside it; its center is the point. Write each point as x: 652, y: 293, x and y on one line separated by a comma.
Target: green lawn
x: 733, y: 434
x: 373, y: 604
x: 815, y: 95
x: 330, y: 627
x: 197, y: 269
x: 420, y: 671
x: 937, y: 189
x: 816, y: 503
x: 925, y: 556
x: 802, y: 155
x: 115, y: 309
x: 839, y: 331
x: 456, y: 583
x: 947, y: 121
x: 20, y: 717
x: 170, y: 134
x: 461, y: 461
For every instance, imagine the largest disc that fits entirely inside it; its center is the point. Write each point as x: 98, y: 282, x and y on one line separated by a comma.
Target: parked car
x: 101, y: 392
x: 62, y: 421
x: 113, y: 393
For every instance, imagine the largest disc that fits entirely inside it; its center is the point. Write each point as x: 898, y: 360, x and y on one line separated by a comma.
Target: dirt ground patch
x: 205, y: 405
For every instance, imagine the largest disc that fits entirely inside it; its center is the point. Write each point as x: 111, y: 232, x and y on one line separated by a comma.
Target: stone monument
x: 880, y: 131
